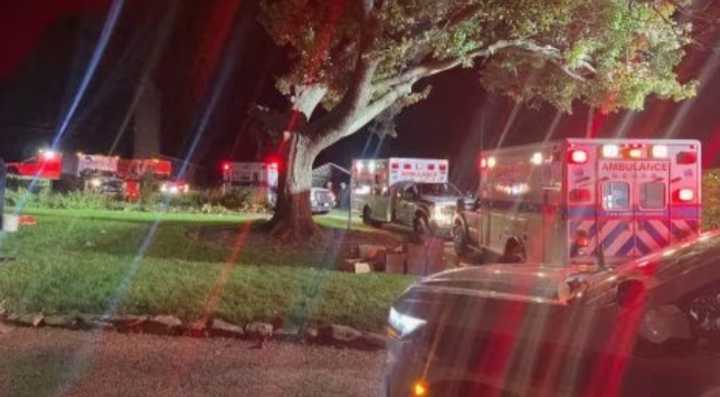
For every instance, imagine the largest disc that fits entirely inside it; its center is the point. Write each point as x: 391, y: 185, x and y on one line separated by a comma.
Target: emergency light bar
x: 660, y: 151
x: 578, y: 156
x: 611, y: 151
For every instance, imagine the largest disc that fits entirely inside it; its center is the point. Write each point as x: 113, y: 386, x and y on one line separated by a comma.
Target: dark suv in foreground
x: 650, y: 327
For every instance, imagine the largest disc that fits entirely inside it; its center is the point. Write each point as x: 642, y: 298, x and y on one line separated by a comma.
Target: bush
x: 209, y: 202
x: 711, y: 199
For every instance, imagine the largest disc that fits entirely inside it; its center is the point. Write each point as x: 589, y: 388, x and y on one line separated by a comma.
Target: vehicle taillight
x: 685, y: 195
x: 578, y: 156
x: 577, y: 195
x: 660, y: 151
x: 483, y: 163
x: 226, y: 166
x: 686, y: 158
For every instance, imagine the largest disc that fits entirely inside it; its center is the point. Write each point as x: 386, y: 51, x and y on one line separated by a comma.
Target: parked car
x: 648, y: 327
x: 322, y: 200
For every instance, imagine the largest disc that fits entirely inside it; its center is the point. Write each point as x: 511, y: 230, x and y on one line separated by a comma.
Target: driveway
x: 48, y: 362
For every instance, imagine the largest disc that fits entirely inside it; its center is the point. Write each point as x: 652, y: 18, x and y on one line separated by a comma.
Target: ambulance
x: 262, y: 177
x: 406, y: 191
x: 598, y: 201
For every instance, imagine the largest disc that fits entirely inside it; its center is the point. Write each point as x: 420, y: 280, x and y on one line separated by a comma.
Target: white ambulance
x: 583, y: 200
x: 411, y: 192
x: 260, y: 176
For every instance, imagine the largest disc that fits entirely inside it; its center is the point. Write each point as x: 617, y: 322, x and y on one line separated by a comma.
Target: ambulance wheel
x: 460, y: 241
x: 421, y: 228
x: 367, y: 219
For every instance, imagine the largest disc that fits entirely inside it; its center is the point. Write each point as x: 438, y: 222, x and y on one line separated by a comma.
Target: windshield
x: 437, y: 189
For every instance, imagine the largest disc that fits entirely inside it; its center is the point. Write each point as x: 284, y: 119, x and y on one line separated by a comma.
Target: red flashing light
x: 578, y: 156
x: 686, y: 158
x: 443, y: 167
x: 407, y: 166
x: 579, y: 195
x: 395, y: 166
x: 226, y: 166
x: 431, y: 167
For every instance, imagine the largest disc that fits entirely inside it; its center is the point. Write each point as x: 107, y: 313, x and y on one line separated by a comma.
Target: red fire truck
x: 46, y: 165
x: 579, y: 200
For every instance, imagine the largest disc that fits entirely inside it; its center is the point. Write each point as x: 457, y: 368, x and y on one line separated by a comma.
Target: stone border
x: 328, y: 335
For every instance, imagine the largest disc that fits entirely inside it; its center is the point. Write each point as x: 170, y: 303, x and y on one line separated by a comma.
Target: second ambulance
x: 583, y: 200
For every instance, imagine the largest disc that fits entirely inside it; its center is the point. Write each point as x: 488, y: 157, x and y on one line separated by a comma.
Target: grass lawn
x: 105, y: 261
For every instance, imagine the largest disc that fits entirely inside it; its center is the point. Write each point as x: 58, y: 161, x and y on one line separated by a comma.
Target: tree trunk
x: 293, y: 220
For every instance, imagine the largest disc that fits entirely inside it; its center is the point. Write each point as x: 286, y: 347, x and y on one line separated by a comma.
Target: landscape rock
x: 26, y: 320
x: 198, y: 329
x: 374, y: 341
x: 286, y: 334
x: 339, y: 334
x: 61, y: 321
x: 226, y: 330
x: 162, y: 324
x: 310, y: 334
x: 126, y: 323
x: 259, y: 330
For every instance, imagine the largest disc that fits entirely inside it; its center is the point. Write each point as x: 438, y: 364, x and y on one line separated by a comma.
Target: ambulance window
x: 652, y: 195
x: 616, y: 196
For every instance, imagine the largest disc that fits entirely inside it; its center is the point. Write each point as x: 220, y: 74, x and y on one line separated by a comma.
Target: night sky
x: 216, y: 47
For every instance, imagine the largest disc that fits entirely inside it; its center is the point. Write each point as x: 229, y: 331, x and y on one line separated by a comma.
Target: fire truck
x: 595, y: 201
x: 406, y: 191
x: 46, y: 165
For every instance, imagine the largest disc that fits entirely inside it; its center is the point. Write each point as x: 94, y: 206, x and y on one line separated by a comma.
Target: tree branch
x: 427, y: 69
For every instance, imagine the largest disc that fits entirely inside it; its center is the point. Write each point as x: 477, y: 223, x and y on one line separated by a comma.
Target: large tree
x: 353, y: 60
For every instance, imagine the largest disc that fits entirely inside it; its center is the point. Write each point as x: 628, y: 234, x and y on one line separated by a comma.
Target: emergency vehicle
x: 262, y: 177
x: 406, y: 191
x: 47, y: 165
x: 259, y: 176
x: 583, y: 200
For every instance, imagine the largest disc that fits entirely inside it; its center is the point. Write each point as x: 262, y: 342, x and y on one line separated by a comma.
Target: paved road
x: 45, y: 362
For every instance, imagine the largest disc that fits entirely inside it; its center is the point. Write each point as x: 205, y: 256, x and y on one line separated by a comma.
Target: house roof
x: 332, y: 165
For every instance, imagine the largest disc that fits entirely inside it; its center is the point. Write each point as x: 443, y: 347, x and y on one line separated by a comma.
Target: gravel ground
x: 47, y: 362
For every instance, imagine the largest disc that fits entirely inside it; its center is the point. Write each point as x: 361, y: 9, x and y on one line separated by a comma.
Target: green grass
x: 101, y: 261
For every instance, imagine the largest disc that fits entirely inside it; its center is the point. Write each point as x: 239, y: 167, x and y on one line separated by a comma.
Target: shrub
x: 209, y: 202
x: 711, y: 199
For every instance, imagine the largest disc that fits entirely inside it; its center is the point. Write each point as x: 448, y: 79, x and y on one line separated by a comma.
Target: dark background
x: 217, y: 49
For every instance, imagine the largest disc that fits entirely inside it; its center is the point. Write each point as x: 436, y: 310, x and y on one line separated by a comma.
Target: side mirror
x: 631, y: 293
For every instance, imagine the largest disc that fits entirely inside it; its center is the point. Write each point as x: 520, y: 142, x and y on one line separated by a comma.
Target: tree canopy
x: 607, y: 53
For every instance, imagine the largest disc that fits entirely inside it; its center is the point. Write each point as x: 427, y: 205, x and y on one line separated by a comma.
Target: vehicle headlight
x: 442, y: 214
x: 164, y: 187
x: 404, y: 324
x: 96, y: 182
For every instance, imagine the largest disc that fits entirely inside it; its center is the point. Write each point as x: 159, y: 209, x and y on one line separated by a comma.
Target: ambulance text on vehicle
x: 579, y: 200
